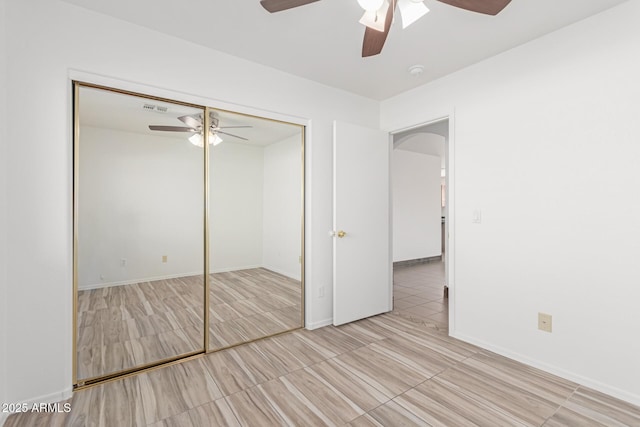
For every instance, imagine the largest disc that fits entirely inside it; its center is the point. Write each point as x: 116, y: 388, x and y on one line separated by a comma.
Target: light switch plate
x: 477, y: 216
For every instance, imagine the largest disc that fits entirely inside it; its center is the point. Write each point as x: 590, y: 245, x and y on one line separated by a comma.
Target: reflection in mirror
x: 140, y: 228
x: 256, y: 240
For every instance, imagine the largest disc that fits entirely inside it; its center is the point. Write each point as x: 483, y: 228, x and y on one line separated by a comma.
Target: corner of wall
x: 3, y: 212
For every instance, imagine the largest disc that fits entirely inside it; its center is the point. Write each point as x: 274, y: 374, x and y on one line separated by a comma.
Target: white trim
x: 450, y: 197
x: 103, y: 80
x: 308, y: 215
x: 174, y: 276
x: 450, y: 240
x: 282, y: 273
x: 319, y: 324
x: 552, y: 369
x: 390, y: 169
x: 226, y: 270
x: 119, y: 83
x: 130, y: 86
x: 133, y: 281
x: 58, y: 396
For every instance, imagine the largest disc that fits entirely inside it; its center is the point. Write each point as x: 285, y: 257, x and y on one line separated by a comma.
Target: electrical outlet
x: 123, y: 262
x: 544, y: 322
x: 321, y: 291
x: 300, y: 259
x: 164, y: 258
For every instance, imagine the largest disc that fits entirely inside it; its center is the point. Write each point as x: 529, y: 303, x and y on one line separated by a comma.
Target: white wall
x: 417, y: 224
x: 140, y: 198
x: 42, y: 49
x: 3, y: 209
x: 236, y: 186
x: 282, y: 207
x: 546, y: 145
x: 140, y: 217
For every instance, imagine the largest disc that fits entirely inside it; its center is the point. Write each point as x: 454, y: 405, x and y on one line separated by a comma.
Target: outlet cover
x: 544, y: 322
x: 164, y: 258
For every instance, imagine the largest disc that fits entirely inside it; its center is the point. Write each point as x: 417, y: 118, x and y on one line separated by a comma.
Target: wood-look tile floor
x: 395, y: 369
x: 418, y: 293
x: 122, y: 327
x: 249, y: 304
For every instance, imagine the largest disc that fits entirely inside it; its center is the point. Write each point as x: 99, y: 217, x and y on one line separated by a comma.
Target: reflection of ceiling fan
x: 194, y: 125
x: 379, y: 15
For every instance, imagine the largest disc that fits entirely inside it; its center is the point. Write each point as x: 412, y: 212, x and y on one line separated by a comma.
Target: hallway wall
x: 415, y: 179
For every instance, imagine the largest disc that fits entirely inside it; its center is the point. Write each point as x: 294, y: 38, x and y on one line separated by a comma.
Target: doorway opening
x: 420, y: 223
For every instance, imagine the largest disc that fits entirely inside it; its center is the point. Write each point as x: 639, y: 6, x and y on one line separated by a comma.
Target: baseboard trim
x: 132, y: 281
x: 563, y: 373
x: 175, y: 276
x: 282, y: 273
x: 229, y: 269
x: 319, y: 324
x: 58, y: 396
x: 436, y: 258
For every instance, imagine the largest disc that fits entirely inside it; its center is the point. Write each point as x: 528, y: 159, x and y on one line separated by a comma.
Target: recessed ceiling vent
x: 156, y: 108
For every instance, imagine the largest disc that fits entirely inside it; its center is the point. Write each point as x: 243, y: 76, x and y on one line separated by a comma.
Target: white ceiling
x: 322, y: 41
x: 112, y: 110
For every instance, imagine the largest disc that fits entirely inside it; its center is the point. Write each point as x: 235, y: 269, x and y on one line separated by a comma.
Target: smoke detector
x: 416, y: 70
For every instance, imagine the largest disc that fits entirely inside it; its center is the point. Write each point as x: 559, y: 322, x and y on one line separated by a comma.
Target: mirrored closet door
x: 176, y: 228
x: 140, y: 208
x: 256, y: 228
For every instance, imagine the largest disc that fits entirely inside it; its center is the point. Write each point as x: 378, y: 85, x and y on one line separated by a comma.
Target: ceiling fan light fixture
x: 411, y: 11
x: 214, y: 139
x: 376, y: 19
x: 371, y: 5
x: 196, y: 139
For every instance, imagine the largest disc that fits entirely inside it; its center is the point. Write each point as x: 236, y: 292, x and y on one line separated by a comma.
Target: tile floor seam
x: 471, y: 395
x: 561, y: 405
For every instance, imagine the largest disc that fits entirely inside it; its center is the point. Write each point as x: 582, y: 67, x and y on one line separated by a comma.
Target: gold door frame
x: 88, y: 382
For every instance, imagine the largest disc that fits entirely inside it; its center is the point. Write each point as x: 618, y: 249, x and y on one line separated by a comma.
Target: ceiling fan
x: 379, y: 15
x: 194, y: 125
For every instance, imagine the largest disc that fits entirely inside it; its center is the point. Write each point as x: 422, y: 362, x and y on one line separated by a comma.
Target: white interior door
x: 362, y: 284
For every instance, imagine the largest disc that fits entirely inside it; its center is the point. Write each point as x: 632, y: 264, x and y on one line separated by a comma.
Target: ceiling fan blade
x: 488, y: 7
x: 279, y: 5
x: 234, y: 127
x: 172, y: 128
x: 230, y: 134
x: 190, y: 121
x: 374, y: 40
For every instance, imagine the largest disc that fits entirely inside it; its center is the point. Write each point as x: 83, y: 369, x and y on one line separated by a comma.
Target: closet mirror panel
x: 256, y: 228
x: 139, y: 194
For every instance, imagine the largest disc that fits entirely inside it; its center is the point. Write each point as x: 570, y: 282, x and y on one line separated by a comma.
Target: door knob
x: 341, y: 234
